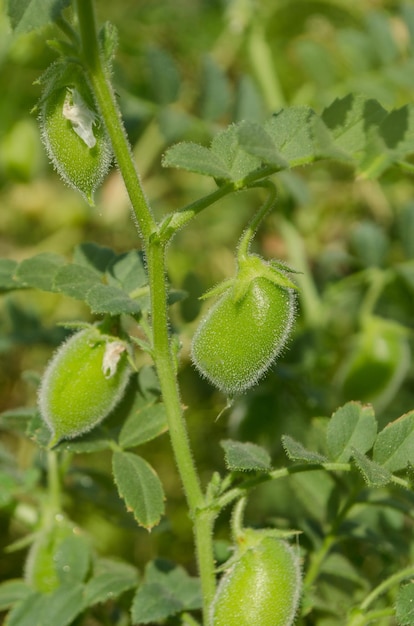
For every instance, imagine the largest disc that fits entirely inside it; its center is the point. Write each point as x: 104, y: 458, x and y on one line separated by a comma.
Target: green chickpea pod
x: 83, y: 382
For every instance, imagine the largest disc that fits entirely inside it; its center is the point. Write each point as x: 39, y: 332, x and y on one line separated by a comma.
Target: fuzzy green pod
x: 241, y: 336
x: 83, y: 382
x: 75, y: 139
x: 263, y: 587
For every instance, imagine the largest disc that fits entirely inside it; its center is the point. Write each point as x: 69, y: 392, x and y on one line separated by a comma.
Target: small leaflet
x: 81, y: 117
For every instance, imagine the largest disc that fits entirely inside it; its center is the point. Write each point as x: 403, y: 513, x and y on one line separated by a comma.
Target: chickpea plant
x: 91, y: 396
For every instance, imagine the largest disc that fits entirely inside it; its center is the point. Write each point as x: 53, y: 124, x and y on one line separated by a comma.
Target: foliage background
x: 184, y: 70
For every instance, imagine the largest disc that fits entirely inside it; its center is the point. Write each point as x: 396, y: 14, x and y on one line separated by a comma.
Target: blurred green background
x: 184, y: 70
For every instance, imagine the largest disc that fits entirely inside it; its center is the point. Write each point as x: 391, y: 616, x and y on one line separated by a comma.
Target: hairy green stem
x: 330, y: 539
x: 202, y: 520
x: 237, y: 519
x: 174, y: 221
x: 54, y: 504
x: 108, y: 107
x: 249, y: 233
x: 240, y: 491
x: 155, y: 253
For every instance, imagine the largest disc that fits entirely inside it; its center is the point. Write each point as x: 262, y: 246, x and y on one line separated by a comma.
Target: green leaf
x: 93, y: 256
x: 394, y: 446
x: 148, y: 382
x: 353, y: 426
x: 406, y: 271
x: 60, y: 607
x: 143, y: 424
x: 13, y: 591
x: 28, y: 611
x: 127, y: 271
x: 249, y: 102
x: 369, y: 243
x: 237, y: 162
x: 383, y: 39
x: 255, y: 140
x: 392, y: 141
x: 195, y: 158
x: 110, y: 300
x: 72, y: 560
x: 140, y: 487
x: 404, y: 606
x: 17, y: 419
x: 7, y: 275
x: 375, y: 475
x: 108, y: 40
x: 242, y: 457
x: 336, y: 565
x: 164, y: 75
x: 27, y: 15
x: 110, y: 579
x: 291, y: 132
x: 297, y: 452
x: 215, y: 96
x: 63, y: 605
x: 39, y: 271
x: 76, y: 281
x: 95, y: 441
x: 350, y: 120
x: 167, y: 590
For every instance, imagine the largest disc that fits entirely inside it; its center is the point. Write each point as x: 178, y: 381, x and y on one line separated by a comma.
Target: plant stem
x: 377, y: 280
x: 370, y: 618
x: 155, y: 253
x: 174, y: 221
x: 108, y: 107
x: 249, y: 233
x: 237, y: 519
x: 387, y: 584
x: 54, y: 504
x: 202, y: 519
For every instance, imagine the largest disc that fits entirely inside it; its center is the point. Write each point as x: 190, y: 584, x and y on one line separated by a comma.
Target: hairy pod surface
x: 75, y: 140
x: 239, y: 338
x: 83, y: 382
x: 262, y: 587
